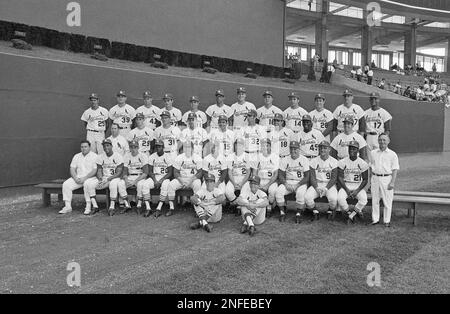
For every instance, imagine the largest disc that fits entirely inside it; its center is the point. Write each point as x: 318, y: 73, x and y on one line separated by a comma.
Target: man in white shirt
x: 119, y: 143
x: 266, y: 113
x: 339, y: 146
x: 198, y: 136
x: 378, y: 121
x: 293, y: 115
x: 175, y: 113
x: 252, y: 134
x: 216, y: 165
x: 95, y: 121
x: 122, y: 114
x: 384, y: 164
x: 82, y: 167
x: 151, y: 112
x: 223, y: 136
x: 200, y: 116
x: 169, y: 134
x: 348, y: 109
x: 240, y: 110
x: 143, y: 135
x: 309, y: 138
x: 280, y: 137
x: 219, y: 109
x: 322, y: 118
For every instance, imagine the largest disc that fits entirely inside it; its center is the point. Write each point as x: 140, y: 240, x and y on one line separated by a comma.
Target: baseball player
x: 280, y: 137
x: 293, y: 115
x: 253, y: 202
x: 198, y: 136
x: 135, y: 171
x: 160, y: 172
x: 252, y: 134
x: 339, y: 146
x: 219, y: 109
x: 151, y: 112
x: 266, y: 113
x: 238, y: 171
x: 187, y: 173
x: 240, y: 109
x: 323, y: 171
x: 82, y: 167
x: 169, y: 134
x: 200, y: 116
x: 142, y: 134
x: 122, y: 114
x: 378, y: 121
x: 223, y: 136
x: 309, y: 138
x: 175, y: 114
x: 109, y: 173
x: 348, y: 109
x: 266, y: 168
x: 207, y: 204
x: 353, y: 173
x: 322, y: 118
x: 216, y: 165
x: 293, y: 178
x: 95, y: 120
x: 119, y: 143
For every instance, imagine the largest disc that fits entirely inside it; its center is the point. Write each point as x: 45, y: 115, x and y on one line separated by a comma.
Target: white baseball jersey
x: 144, y: 136
x: 123, y: 116
x: 215, y: 166
x: 151, y: 114
x: 341, y: 112
x: 199, y: 121
x: 207, y: 197
x: 293, y: 118
x: 135, y: 164
x: 266, y: 166
x: 188, y: 166
x: 197, y: 136
x: 238, y: 165
x: 253, y: 198
x: 109, y: 164
x: 119, y: 144
x: 160, y: 164
x: 321, y: 119
x: 170, y: 136
x: 224, y: 139
x: 295, y: 168
x: 252, y: 136
x: 265, y: 115
x: 340, y: 143
x: 280, y: 140
x: 309, y: 142
x: 239, y: 113
x: 323, y: 169
x: 375, y: 120
x: 95, y: 119
x: 215, y: 111
x: 84, y: 164
x: 353, y: 171
x: 175, y: 115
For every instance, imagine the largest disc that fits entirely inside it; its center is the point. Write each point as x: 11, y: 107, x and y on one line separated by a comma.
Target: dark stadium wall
x: 250, y: 30
x: 42, y: 101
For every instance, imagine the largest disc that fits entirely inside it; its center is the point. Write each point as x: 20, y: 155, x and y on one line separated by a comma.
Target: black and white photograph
x: 224, y: 155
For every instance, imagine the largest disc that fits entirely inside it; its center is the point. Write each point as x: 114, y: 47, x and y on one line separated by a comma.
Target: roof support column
x: 323, y: 6
x: 366, y: 42
x: 411, y: 45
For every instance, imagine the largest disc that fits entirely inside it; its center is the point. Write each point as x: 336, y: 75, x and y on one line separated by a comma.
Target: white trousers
x: 379, y: 191
x: 96, y: 139
x: 372, y: 141
x: 90, y: 189
x: 139, y: 188
x: 175, y: 185
x: 258, y: 218
x: 361, y: 197
x: 311, y: 195
x: 299, y: 194
x: 68, y: 187
x: 213, y: 213
x: 150, y: 185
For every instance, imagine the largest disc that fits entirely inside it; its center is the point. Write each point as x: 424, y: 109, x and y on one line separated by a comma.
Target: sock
x: 88, y: 205
x: 94, y: 202
x: 160, y: 205
x: 353, y: 214
x: 315, y: 211
x: 298, y: 213
x: 112, y: 205
x: 139, y: 204
x: 249, y: 221
x: 147, y: 205
x: 203, y: 222
x: 171, y: 207
x: 68, y: 204
x: 126, y: 203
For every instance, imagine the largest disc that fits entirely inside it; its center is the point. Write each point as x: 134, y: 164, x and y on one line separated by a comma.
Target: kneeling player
x: 187, y: 172
x: 134, y: 173
x: 353, y: 176
x: 207, y: 204
x: 253, y: 202
x: 294, y: 178
x: 323, y: 174
x: 160, y: 172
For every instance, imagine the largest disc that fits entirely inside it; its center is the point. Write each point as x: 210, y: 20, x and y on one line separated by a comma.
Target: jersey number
x: 125, y: 119
x: 101, y: 124
x: 377, y: 125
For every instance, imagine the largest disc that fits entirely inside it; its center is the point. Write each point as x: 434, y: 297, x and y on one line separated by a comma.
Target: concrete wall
x: 250, y: 30
x: 42, y: 102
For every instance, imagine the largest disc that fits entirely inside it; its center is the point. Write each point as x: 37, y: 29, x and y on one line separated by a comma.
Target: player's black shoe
x: 195, y: 225
x: 111, y: 212
x: 169, y: 213
x: 207, y: 227
x: 95, y: 210
x: 360, y: 215
x: 298, y: 219
x: 244, y: 228
x: 315, y: 216
x: 269, y: 213
x: 350, y: 221
x: 124, y: 210
x: 133, y: 203
x: 157, y: 213
x: 147, y: 213
x: 251, y: 231
x: 330, y: 215
x: 237, y: 211
x: 387, y: 225
x: 282, y: 217
x: 138, y: 210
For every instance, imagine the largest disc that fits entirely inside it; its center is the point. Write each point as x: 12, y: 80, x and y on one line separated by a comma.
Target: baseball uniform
x: 199, y: 121
x: 188, y: 167
x: 170, y: 137
x: 252, y: 136
x: 280, y: 140
x: 151, y: 115
x: 375, y: 121
x: 175, y: 115
x: 123, y: 116
x: 239, y: 166
x: 206, y: 208
x: 293, y: 118
x: 323, y: 170
x: 215, y: 166
x: 225, y: 140
x: 340, y: 143
x: 266, y: 168
x: 96, y: 127
x: 119, y: 144
x: 295, y: 171
x: 265, y: 115
x: 259, y: 216
x: 321, y: 120
x: 135, y: 166
x: 239, y: 113
x: 215, y: 111
x: 198, y: 136
x: 144, y: 137
x: 353, y: 170
x: 309, y: 142
x: 341, y: 112
x: 160, y: 166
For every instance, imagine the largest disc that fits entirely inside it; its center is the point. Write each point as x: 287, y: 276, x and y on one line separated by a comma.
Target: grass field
x: 131, y: 254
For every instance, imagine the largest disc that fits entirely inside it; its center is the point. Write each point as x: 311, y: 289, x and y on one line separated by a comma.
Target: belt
x: 372, y: 133
x: 123, y: 127
x: 251, y: 152
x: 95, y: 131
x: 310, y: 157
x: 381, y: 175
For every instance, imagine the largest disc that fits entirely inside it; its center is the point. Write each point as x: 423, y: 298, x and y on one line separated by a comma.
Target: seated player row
x: 148, y: 119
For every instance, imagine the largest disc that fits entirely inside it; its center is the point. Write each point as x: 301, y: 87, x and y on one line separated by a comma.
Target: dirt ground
x: 131, y: 254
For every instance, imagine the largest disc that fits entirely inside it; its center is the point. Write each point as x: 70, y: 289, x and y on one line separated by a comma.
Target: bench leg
x: 415, y: 215
x: 45, y: 198
x: 107, y: 198
x: 409, y: 213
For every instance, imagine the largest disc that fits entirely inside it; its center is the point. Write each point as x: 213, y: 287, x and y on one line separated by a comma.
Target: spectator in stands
x: 369, y: 77
x: 335, y: 64
x: 420, y: 95
x: 398, y: 88
x: 407, y: 92
x: 359, y: 74
x: 330, y: 71
x: 382, y: 84
x: 310, y: 4
x: 366, y: 68
x: 434, y: 68
x: 394, y: 67
x: 341, y: 66
x: 373, y: 65
x: 353, y: 73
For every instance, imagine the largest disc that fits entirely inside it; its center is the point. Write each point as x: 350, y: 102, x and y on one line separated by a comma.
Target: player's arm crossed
x: 118, y: 172
x: 362, y: 125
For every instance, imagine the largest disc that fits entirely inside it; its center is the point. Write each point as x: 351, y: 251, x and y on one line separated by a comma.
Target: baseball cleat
x: 169, y: 213
x: 157, y: 213
x: 95, y: 210
x: 111, y: 212
x: 251, y: 231
x: 124, y: 210
x: 360, y: 215
x: 147, y: 213
x: 244, y: 228
x: 387, y: 225
x: 374, y: 223
x: 207, y: 227
x: 65, y: 210
x: 282, y: 217
x: 329, y: 215
x: 350, y: 221
x: 315, y: 217
x: 268, y: 213
x: 298, y: 219
x: 195, y: 225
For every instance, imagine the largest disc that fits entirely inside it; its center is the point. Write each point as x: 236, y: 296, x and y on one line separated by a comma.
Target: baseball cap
x: 267, y: 92
x: 348, y: 119
x: 278, y: 116
x: 306, y: 117
x: 192, y: 115
x: 194, y: 98
x: 167, y: 96
x: 147, y: 94
x: 354, y: 144
x: 133, y: 144
x: 223, y: 117
x: 165, y: 113
x: 159, y: 142
x: 319, y: 96
x: 241, y: 90
x: 106, y: 141
x: 347, y: 92
x: 374, y: 95
x: 140, y: 115
x: 93, y: 95
x: 324, y: 143
x: 121, y: 93
x: 294, y: 144
x: 220, y: 92
x: 293, y: 95
x: 252, y: 112
x: 255, y: 179
x: 210, y: 177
